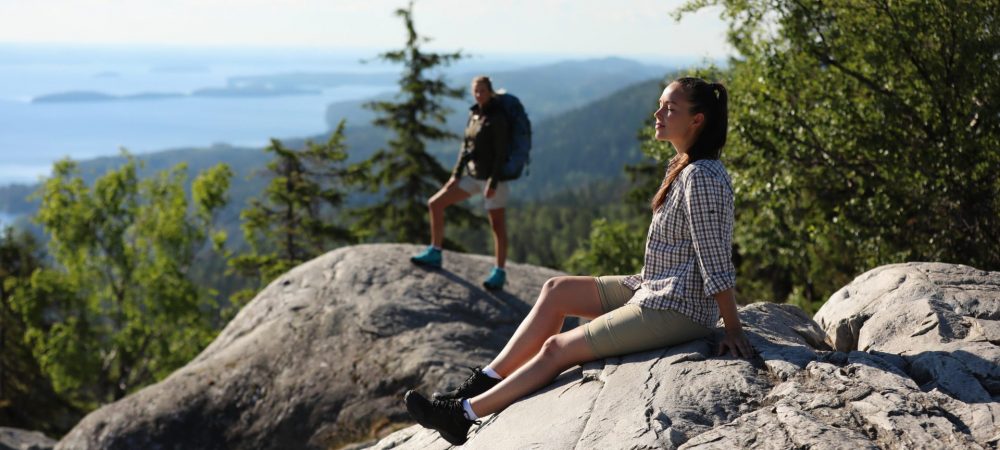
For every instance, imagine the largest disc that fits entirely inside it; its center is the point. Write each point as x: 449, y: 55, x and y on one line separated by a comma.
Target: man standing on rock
x: 484, y: 165
x: 686, y: 283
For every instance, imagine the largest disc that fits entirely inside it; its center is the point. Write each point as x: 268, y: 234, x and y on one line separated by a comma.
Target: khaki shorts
x: 473, y: 186
x: 624, y: 329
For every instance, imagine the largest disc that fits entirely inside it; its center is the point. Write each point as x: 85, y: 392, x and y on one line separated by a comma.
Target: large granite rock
x: 322, y: 356
x: 939, y: 324
x: 911, y: 361
x: 906, y: 356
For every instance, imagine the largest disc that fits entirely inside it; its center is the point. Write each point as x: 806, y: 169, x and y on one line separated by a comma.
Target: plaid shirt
x: 689, y: 246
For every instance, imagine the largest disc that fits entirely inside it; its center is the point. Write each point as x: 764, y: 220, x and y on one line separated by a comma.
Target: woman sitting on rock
x: 686, y: 282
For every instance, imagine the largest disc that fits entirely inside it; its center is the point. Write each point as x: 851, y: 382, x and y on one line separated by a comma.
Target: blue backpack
x: 520, y: 136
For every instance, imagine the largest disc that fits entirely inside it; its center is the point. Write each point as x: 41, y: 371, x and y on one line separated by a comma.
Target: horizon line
x: 692, y: 57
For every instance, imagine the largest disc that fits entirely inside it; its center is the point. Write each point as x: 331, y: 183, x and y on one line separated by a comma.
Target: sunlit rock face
x: 322, y: 356
x: 906, y: 356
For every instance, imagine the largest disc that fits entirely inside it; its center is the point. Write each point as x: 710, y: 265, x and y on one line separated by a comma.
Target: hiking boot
x: 445, y: 416
x: 495, y: 281
x: 430, y: 257
x: 476, y: 384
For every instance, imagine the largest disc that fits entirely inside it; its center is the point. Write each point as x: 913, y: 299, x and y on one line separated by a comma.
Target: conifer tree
x: 293, y: 222
x: 404, y: 173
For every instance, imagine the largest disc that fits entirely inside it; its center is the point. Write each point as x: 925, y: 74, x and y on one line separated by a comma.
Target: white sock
x: 492, y: 373
x: 435, y: 247
x: 469, y: 413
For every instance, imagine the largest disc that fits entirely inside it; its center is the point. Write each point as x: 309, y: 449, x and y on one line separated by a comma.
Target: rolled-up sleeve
x: 709, y: 206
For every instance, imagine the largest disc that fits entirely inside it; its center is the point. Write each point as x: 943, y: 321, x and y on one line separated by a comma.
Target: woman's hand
x: 734, y: 341
x: 737, y: 344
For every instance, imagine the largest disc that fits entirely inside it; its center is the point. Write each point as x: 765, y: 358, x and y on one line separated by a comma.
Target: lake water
x: 33, y: 135
x: 6, y: 219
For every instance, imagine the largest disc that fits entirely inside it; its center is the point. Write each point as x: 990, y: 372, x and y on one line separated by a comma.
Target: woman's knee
x: 554, y: 284
x: 550, y: 292
x: 551, y: 349
x: 566, y: 349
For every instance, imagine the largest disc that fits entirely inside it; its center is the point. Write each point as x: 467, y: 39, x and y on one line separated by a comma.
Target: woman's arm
x: 710, y: 218
x: 709, y: 207
x: 734, y: 341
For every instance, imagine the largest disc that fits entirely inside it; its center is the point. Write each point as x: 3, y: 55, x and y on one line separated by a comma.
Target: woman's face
x: 481, y: 92
x: 674, y: 121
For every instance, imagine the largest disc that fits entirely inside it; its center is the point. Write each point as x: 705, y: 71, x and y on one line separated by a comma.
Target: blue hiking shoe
x: 495, y: 281
x: 430, y: 257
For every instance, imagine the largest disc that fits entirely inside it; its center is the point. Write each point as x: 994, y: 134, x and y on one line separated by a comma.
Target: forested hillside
x: 591, y: 143
x: 571, y: 151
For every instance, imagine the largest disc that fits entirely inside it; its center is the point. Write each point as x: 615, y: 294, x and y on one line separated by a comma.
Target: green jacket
x: 485, y: 144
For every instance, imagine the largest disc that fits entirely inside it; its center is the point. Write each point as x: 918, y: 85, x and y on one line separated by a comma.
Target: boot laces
x: 472, y: 379
x: 452, y: 406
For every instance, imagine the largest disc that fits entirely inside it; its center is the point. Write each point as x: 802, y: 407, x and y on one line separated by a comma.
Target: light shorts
x: 624, y: 329
x: 473, y: 187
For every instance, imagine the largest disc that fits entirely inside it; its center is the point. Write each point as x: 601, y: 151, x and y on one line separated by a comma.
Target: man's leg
x: 448, y: 195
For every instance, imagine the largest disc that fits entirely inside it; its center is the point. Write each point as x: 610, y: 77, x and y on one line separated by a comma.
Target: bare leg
x: 448, y: 195
x: 499, y: 236
x: 558, y: 353
x: 560, y: 297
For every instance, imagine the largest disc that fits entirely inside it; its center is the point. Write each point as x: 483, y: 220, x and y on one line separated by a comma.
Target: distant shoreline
x: 94, y: 96
x: 254, y: 86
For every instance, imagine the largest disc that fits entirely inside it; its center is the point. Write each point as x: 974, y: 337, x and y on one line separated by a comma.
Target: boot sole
x: 452, y: 439
x: 424, y: 264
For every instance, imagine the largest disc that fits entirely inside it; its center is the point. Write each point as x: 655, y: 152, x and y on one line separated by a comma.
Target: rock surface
x: 906, y: 356
x: 15, y: 439
x: 322, y: 356
x: 914, y: 363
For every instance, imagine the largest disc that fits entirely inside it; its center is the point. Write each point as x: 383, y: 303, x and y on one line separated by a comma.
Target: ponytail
x: 710, y: 99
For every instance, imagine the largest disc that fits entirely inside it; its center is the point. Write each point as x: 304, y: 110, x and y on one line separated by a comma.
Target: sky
x: 638, y: 28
